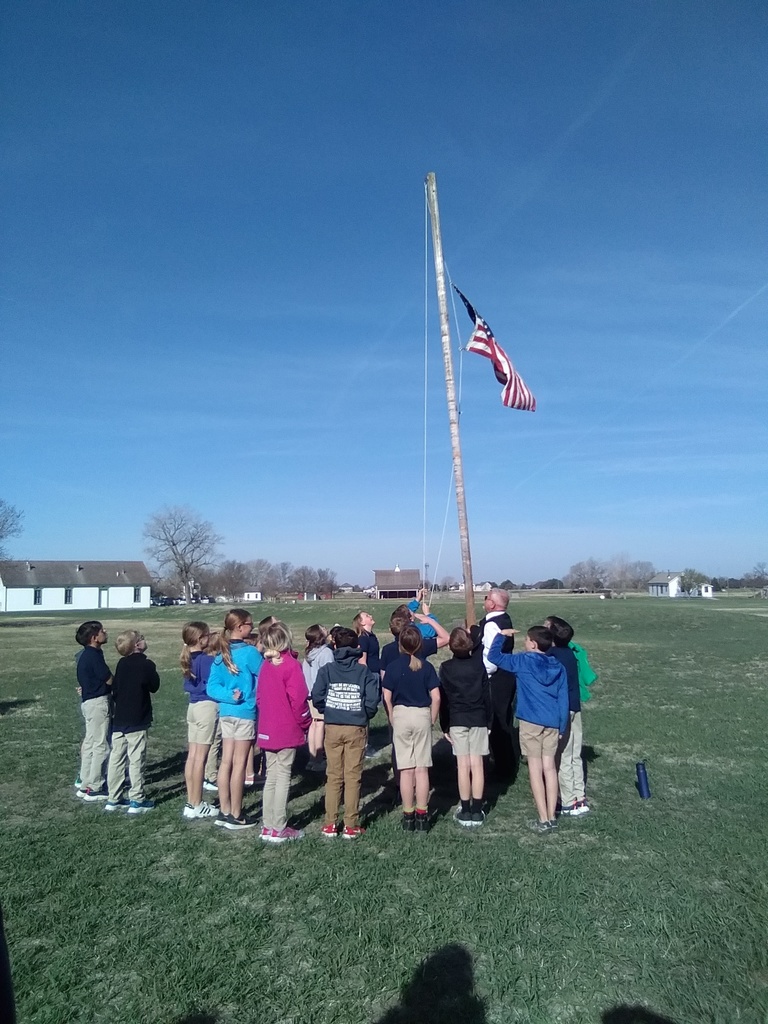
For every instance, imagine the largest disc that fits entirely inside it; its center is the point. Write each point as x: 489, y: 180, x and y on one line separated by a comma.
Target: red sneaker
x: 353, y: 833
x: 330, y: 831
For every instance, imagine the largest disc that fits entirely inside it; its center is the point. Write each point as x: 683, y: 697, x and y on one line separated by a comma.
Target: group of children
x: 250, y: 697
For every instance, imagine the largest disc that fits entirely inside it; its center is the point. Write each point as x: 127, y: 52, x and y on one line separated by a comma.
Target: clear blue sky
x: 213, y: 277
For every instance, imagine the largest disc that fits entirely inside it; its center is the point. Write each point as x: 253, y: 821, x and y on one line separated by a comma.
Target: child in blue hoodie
x: 542, y: 710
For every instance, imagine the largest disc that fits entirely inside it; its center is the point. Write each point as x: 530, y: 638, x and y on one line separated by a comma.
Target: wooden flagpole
x: 450, y: 390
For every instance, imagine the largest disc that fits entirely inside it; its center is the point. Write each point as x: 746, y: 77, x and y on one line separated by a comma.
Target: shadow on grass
x: 172, y: 766
x: 588, y: 756
x: 441, y: 991
x: 7, y: 707
x: 633, y: 1015
x: 198, y: 1018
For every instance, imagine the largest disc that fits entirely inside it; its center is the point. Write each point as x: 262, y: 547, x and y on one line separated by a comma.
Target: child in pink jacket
x: 283, y: 722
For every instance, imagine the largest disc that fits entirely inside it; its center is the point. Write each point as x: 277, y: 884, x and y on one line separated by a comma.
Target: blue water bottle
x: 642, y: 781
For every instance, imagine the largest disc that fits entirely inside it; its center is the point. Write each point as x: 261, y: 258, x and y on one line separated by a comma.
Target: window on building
x: 38, y: 598
x: 68, y: 595
x: 136, y: 595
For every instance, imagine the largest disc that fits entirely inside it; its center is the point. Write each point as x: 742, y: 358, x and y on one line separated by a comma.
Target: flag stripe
x: 515, y: 394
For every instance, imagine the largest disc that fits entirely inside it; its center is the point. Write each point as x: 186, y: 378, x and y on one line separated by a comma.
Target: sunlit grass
x: 661, y: 903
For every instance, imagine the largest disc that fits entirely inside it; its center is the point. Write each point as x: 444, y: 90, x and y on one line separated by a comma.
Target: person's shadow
x: 633, y: 1015
x: 441, y: 991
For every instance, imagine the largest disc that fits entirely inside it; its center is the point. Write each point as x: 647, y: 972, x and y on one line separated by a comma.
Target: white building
x: 70, y: 586
x: 665, y: 584
x: 251, y: 595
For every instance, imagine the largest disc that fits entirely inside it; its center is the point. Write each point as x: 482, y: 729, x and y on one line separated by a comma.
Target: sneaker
x: 422, y: 823
x: 409, y: 822
x: 92, y: 794
x: 204, y: 810
x: 78, y: 783
x: 116, y: 805
x: 567, y: 812
x: 353, y: 833
x: 542, y: 828
x: 463, y: 817
x: 478, y: 818
x: 220, y: 819
x: 330, y: 831
x: 271, y: 835
x: 235, y: 824
x: 140, y: 806
x: 291, y: 833
x: 371, y: 752
x: 249, y: 781
x: 580, y: 808
x: 209, y: 786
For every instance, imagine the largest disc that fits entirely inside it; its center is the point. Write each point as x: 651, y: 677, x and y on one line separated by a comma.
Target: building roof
x: 402, y: 579
x: 74, y: 574
x: 664, y: 577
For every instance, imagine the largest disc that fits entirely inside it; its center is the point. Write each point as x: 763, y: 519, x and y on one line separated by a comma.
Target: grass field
x: 647, y: 912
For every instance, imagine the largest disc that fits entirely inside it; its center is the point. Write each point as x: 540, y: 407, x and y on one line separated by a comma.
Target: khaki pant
x: 345, y: 753
x: 276, y: 787
x: 129, y: 750
x: 95, y: 748
x: 214, y: 755
x: 571, y: 768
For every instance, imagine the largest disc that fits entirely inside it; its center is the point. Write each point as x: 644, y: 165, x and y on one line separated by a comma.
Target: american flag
x: 514, y: 394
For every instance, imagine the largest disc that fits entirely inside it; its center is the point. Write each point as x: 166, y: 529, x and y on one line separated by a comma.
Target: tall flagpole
x: 450, y: 391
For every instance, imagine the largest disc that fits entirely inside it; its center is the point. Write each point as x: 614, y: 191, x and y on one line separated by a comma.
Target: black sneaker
x: 463, y: 817
x: 234, y: 823
x: 478, y: 818
x: 422, y: 823
x: 409, y: 822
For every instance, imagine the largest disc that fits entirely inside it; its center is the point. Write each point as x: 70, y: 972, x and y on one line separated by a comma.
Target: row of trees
x: 184, y: 549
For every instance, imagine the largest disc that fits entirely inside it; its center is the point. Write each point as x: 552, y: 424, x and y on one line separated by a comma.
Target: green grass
x: 659, y: 904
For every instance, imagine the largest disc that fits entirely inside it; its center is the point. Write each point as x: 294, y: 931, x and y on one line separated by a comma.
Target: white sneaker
x: 211, y: 787
x: 580, y: 809
x: 203, y: 810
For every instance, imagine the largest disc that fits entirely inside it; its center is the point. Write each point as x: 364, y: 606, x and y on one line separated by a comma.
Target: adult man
x: 504, y: 747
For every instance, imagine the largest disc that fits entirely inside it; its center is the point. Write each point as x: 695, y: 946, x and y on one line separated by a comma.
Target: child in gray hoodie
x: 347, y: 694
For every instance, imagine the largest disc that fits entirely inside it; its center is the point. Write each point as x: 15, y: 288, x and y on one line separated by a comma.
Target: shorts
x: 538, y: 740
x: 238, y: 728
x: 412, y: 736
x: 202, y: 719
x: 316, y: 716
x: 469, y: 739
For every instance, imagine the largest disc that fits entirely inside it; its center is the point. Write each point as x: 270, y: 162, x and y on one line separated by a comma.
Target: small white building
x: 69, y: 586
x: 665, y: 584
x: 703, y: 590
x: 252, y: 595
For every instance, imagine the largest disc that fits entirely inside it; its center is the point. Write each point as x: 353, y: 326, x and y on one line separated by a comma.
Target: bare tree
x: 10, y: 524
x: 587, y: 575
x: 623, y: 574
x: 304, y: 580
x: 757, y: 577
x: 283, y: 571
x: 691, y: 578
x: 181, y: 544
x: 233, y: 579
x: 326, y: 582
x: 258, y: 570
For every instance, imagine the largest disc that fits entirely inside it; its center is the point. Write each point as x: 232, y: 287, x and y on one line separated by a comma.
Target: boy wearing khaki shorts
x: 465, y: 718
x: 542, y: 710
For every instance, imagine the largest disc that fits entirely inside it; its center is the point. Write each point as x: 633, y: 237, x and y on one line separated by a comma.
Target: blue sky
x: 213, y: 278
